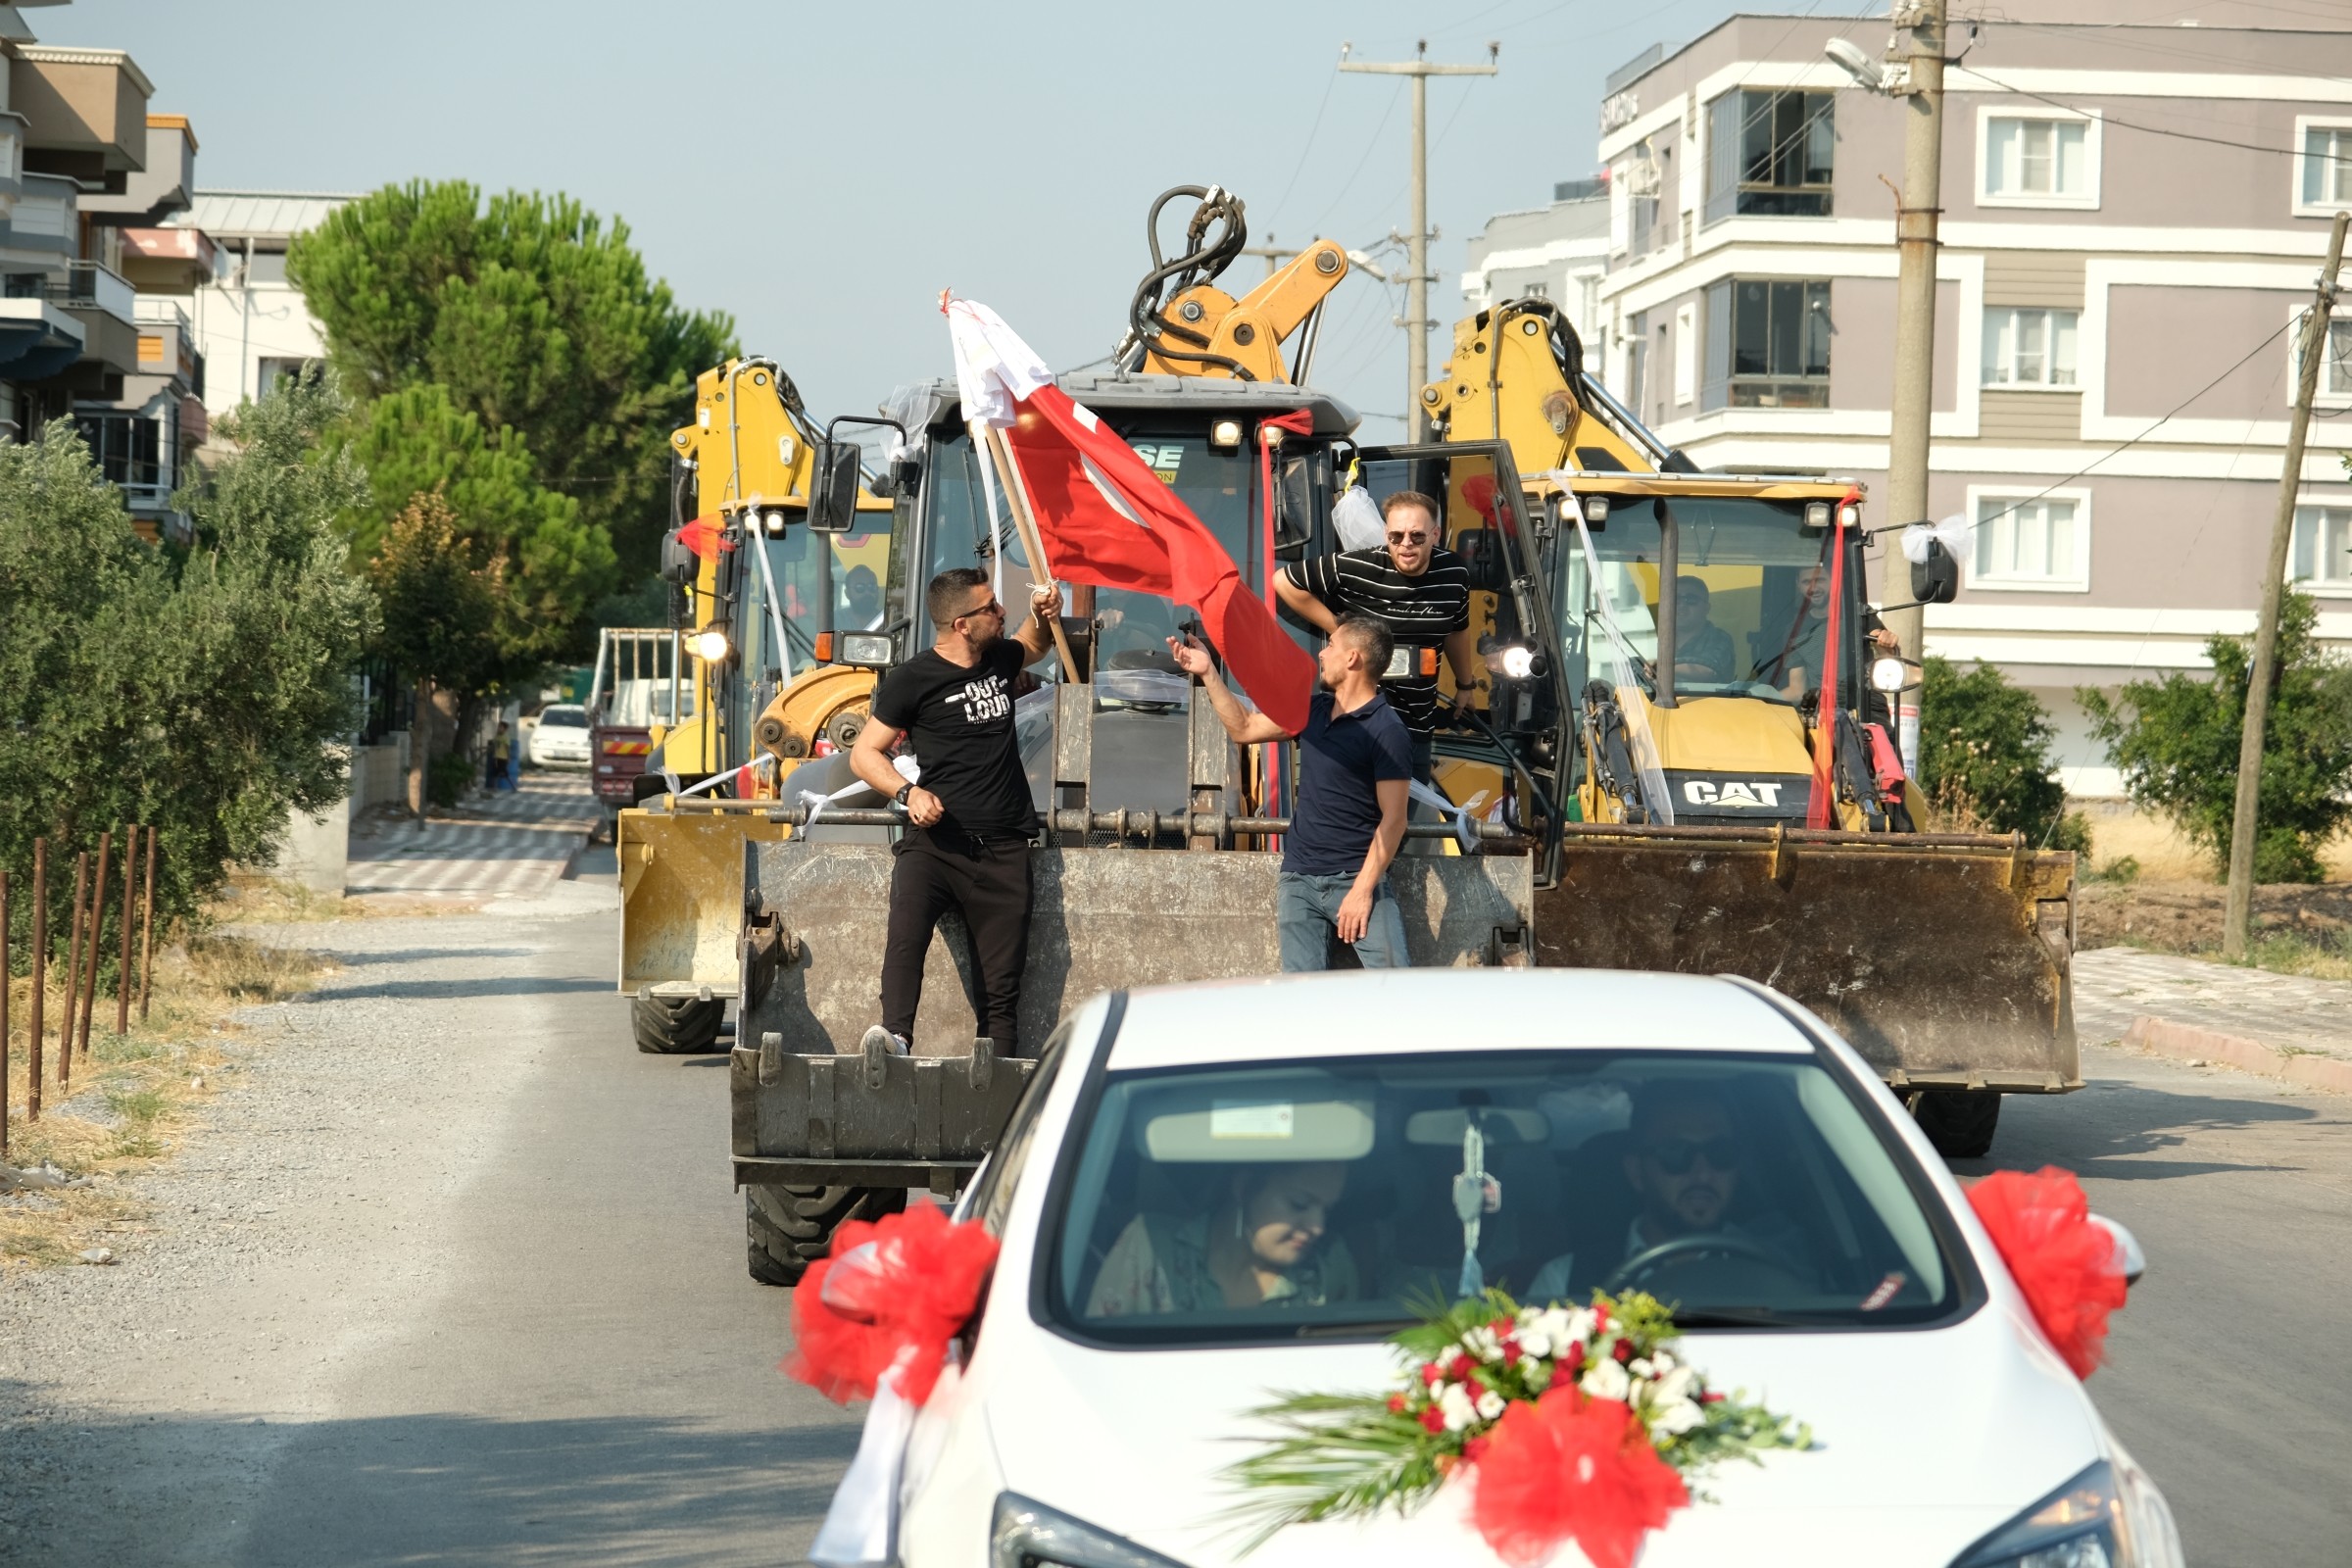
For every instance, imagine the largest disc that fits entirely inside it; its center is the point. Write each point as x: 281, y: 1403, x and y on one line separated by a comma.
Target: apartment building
x: 1559, y: 252
x: 2135, y: 201
x: 249, y: 318
x: 89, y: 328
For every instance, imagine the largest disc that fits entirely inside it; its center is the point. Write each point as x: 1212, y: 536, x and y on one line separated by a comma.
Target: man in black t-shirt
x: 967, y: 848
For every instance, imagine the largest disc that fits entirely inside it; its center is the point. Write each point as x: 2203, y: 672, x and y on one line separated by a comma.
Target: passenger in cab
x: 1261, y: 1243
x: 1685, y: 1167
x: 1796, y: 667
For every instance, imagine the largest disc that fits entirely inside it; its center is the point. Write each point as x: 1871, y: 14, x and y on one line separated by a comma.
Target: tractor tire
x: 1959, y: 1122
x: 676, y: 1026
x: 789, y: 1227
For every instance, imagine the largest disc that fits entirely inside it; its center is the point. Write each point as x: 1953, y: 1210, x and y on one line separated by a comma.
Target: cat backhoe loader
x: 758, y: 599
x: 1709, y: 784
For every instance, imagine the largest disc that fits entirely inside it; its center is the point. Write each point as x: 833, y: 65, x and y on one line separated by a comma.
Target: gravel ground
x: 297, y: 1230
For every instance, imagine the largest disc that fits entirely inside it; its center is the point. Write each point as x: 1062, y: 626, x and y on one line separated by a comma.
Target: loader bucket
x: 1103, y: 919
x: 1942, y: 958
x: 681, y: 895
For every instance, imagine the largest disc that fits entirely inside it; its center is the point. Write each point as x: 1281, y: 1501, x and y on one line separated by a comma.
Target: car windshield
x: 1752, y: 594
x: 1332, y: 1197
x: 565, y: 717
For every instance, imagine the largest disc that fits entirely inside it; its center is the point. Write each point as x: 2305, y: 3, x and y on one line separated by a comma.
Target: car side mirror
x: 851, y: 1282
x: 833, y: 479
x: 1937, y: 579
x: 2127, y: 1248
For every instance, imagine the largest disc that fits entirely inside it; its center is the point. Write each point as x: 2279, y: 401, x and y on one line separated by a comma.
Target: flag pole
x: 988, y: 437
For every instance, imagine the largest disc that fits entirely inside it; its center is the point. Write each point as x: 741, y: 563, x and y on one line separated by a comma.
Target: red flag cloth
x: 2064, y: 1264
x: 1105, y: 518
x: 1822, y: 809
x: 898, y: 1310
x: 1571, y: 1467
x: 705, y: 536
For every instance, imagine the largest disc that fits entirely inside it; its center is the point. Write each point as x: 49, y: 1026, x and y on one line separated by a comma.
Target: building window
x: 1685, y: 353
x: 1767, y: 344
x: 2323, y: 167
x: 2323, y: 553
x: 2334, y: 385
x: 2030, y: 348
x: 2031, y: 542
x: 1769, y: 152
x: 128, y: 450
x: 2038, y: 160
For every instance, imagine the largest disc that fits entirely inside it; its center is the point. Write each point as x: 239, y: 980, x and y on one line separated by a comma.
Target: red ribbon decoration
x: 891, y: 1316
x: 2064, y: 1264
x: 1822, y: 809
x: 1566, y: 1467
x: 707, y: 536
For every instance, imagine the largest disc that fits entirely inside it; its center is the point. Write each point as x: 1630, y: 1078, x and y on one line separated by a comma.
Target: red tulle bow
x: 899, y: 1311
x: 1568, y: 1467
x: 2065, y: 1265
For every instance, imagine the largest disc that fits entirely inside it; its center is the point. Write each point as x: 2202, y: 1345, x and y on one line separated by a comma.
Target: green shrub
x: 2175, y: 741
x: 1985, y: 758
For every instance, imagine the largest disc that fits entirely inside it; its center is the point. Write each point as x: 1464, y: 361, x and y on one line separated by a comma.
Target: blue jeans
x: 1307, y: 915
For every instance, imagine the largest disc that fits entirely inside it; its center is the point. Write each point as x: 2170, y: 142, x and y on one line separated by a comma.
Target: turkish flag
x: 1105, y: 518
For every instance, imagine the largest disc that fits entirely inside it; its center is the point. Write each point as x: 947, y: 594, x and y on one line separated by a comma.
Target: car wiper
x: 1742, y: 1317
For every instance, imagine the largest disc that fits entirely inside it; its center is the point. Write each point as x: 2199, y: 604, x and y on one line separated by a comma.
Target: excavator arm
x: 1202, y: 330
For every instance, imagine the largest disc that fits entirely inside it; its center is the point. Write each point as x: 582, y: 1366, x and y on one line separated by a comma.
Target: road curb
x: 2185, y: 1042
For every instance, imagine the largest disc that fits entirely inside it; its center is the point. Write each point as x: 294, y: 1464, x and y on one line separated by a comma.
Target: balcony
x: 160, y: 190
x: 97, y: 297
x: 167, y: 260
x: 168, y: 343
x: 85, y: 112
x: 43, y: 219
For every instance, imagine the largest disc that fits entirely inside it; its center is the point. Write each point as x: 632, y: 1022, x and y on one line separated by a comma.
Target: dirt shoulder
x: 2178, y: 916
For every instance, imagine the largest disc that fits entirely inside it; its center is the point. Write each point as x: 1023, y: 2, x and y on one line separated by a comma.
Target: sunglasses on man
x: 1677, y: 1156
x: 1416, y: 537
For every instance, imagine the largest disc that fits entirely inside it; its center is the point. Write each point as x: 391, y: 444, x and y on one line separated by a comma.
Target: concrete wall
x: 379, y: 773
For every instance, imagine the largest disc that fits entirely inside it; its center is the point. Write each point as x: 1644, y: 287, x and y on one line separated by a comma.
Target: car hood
x: 1925, y: 1440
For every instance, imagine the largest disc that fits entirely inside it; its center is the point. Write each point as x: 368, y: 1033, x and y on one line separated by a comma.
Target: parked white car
x: 1295, y: 1143
x: 560, y: 739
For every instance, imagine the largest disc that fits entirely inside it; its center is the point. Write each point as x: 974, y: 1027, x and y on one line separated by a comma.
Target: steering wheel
x: 1716, y: 1244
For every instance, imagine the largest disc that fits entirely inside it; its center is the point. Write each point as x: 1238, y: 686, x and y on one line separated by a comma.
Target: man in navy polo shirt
x: 1354, y: 756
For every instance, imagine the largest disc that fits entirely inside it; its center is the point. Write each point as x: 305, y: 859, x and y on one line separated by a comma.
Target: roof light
x: 711, y: 645
x: 1817, y: 513
x: 1597, y: 509
x: 1225, y: 433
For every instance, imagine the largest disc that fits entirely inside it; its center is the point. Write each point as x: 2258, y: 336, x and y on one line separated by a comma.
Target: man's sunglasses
x: 1677, y: 1155
x: 993, y: 607
x: 1408, y: 538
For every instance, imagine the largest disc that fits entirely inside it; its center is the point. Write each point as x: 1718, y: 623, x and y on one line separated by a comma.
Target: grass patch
x: 272, y: 901
x: 132, y: 1095
x: 2320, y: 955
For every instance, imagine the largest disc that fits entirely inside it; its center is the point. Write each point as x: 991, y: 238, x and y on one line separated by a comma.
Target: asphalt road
x: 2228, y: 1375
x: 486, y: 1302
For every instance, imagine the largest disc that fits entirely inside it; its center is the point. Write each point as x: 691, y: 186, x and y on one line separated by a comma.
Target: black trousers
x: 987, y: 881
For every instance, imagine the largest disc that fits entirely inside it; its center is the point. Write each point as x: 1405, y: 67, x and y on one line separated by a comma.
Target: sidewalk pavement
x: 2197, y: 1010
x: 511, y: 844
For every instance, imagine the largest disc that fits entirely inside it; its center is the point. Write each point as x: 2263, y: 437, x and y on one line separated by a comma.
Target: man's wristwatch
x: 904, y: 790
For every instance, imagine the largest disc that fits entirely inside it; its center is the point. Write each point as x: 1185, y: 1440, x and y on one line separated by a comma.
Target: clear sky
x: 821, y: 171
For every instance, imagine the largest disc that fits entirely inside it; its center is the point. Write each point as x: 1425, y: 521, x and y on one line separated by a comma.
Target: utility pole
x: 1274, y: 254
x: 1416, y: 283
x: 1922, y: 99
x: 2238, y: 915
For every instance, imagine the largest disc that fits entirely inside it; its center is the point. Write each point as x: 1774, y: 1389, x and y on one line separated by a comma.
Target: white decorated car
x: 1216, y: 1194
x: 560, y: 739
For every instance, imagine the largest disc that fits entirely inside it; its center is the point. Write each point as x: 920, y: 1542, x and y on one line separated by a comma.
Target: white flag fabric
x: 1952, y: 531
x: 994, y: 369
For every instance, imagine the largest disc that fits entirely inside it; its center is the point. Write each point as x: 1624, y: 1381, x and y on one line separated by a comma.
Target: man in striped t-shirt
x: 1416, y: 588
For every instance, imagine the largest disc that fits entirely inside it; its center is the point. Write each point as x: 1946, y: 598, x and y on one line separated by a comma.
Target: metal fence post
x: 89, y: 981
x: 41, y: 974
x: 130, y: 909
x: 147, y: 928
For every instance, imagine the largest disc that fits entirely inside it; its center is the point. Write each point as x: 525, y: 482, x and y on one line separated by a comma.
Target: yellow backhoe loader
x: 759, y: 599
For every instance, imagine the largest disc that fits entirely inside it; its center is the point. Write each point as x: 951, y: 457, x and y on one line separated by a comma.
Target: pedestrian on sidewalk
x: 502, y: 749
x: 967, y: 846
x: 1354, y: 756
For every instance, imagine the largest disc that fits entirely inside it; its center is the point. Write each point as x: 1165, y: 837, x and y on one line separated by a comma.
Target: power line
x: 2118, y: 450
x: 1329, y: 82
x: 1370, y: 142
x: 2154, y: 130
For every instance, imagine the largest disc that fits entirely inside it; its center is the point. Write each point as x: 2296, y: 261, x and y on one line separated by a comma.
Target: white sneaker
x: 880, y: 1038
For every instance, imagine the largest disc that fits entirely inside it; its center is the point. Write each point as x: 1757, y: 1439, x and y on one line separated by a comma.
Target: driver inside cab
x: 1685, y: 1167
